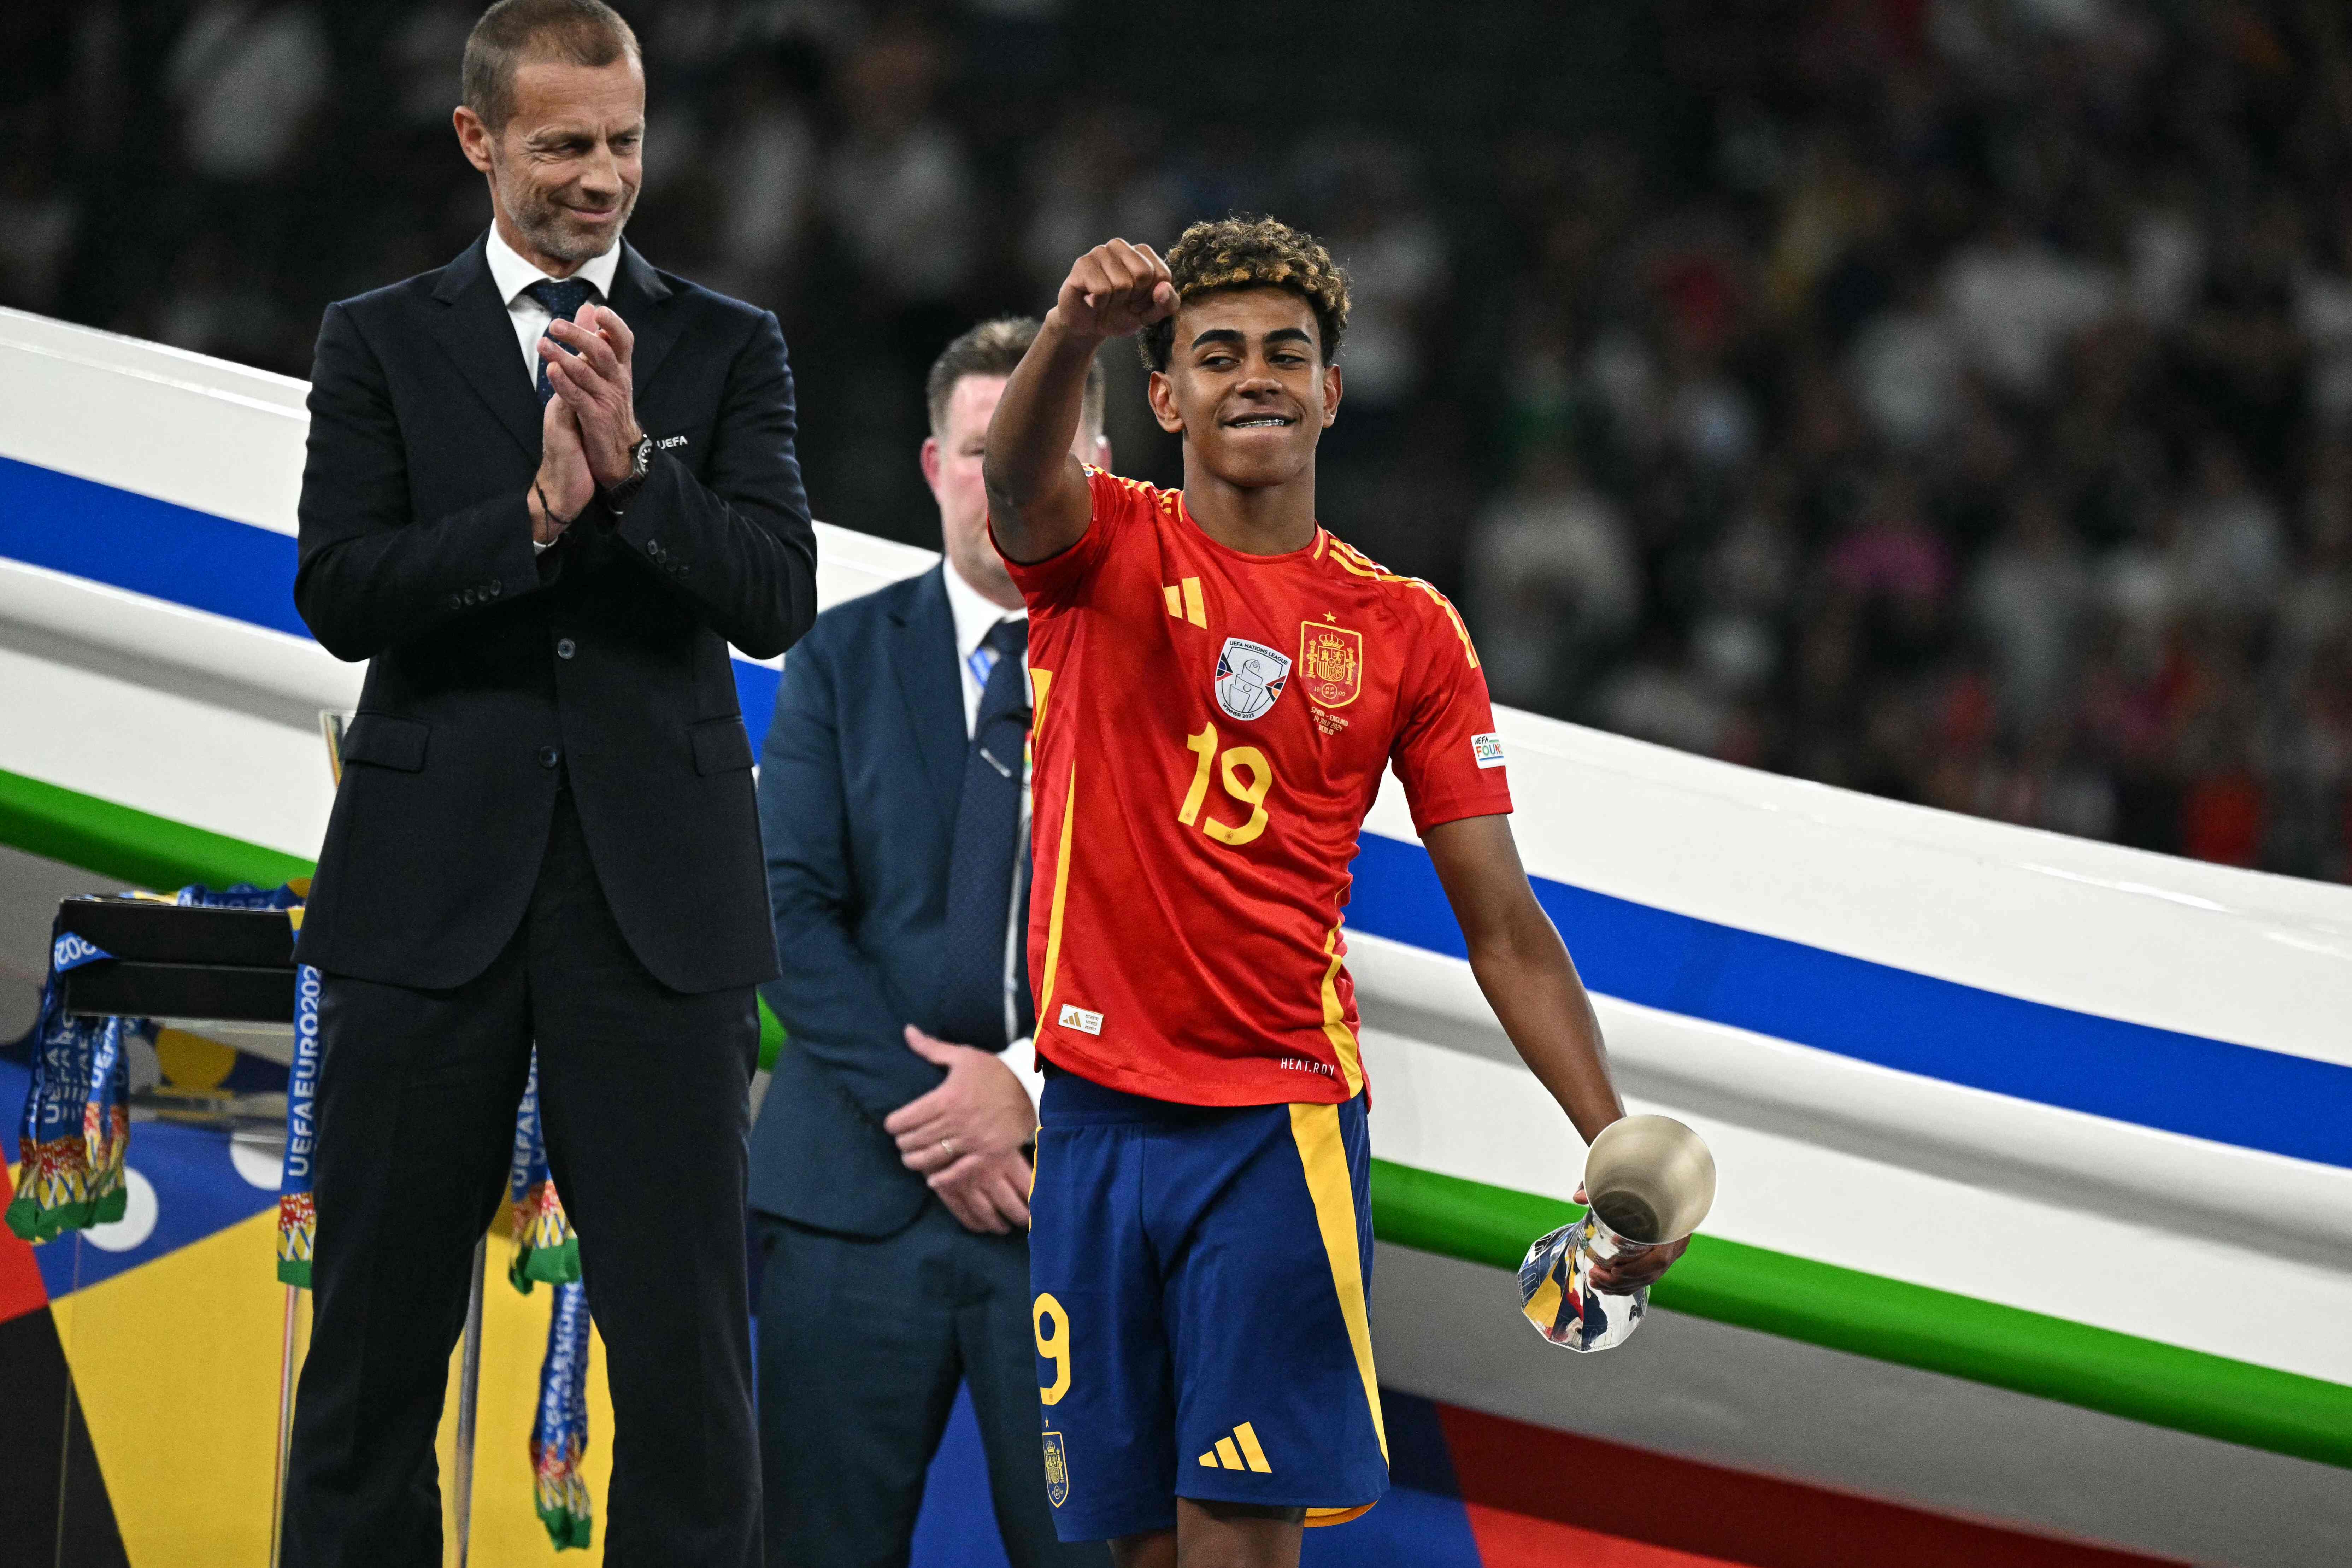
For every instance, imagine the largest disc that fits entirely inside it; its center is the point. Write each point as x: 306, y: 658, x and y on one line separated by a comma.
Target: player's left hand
x: 979, y: 1110
x: 1625, y: 1275
x: 593, y: 378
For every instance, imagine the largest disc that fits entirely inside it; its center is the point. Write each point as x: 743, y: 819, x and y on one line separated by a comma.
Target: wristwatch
x: 641, y: 462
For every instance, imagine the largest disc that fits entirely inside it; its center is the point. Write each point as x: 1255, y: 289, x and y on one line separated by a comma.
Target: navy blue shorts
x: 1200, y: 1276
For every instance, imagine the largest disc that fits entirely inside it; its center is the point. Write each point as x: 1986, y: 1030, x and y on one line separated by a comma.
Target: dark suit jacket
x: 492, y: 673
x: 859, y: 784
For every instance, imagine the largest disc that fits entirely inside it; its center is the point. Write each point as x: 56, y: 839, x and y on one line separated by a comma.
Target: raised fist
x: 1116, y: 290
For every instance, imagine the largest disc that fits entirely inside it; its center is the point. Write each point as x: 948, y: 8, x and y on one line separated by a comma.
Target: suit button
x: 549, y: 756
x: 653, y: 548
x: 566, y: 649
x: 497, y: 588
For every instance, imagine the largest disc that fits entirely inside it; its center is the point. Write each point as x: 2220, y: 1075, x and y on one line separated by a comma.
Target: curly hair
x: 1241, y: 252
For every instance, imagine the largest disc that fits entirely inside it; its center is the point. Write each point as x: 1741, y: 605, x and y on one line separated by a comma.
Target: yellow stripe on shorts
x: 1324, y: 1156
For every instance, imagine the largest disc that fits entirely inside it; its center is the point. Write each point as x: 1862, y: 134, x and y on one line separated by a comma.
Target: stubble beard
x: 540, y: 221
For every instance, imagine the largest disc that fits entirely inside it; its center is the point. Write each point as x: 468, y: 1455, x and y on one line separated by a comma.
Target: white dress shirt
x: 975, y: 616
x: 512, y: 275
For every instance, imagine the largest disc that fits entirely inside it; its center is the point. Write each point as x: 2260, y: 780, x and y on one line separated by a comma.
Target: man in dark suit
x: 888, y: 1170
x: 546, y: 829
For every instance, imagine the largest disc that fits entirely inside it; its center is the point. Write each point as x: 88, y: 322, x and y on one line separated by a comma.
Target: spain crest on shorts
x: 1250, y: 678
x: 1330, y: 663
x: 1057, y: 1470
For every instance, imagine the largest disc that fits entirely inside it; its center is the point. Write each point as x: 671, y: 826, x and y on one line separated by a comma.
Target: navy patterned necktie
x: 985, y: 991
x: 562, y: 300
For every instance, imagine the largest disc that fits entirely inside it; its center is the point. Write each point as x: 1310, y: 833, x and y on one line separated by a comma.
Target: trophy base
x: 1557, y: 1297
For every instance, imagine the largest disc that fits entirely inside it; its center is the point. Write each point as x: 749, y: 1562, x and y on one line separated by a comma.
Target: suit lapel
x: 638, y: 295
x: 475, y: 330
x: 930, y: 681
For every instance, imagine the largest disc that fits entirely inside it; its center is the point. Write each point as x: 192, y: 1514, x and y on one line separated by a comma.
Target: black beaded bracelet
x: 561, y: 523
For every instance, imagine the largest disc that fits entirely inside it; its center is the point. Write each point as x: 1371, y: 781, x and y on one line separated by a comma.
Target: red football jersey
x: 1210, y: 730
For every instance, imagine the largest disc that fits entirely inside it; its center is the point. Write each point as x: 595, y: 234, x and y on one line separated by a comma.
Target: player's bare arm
x: 1528, y: 979
x: 1037, y: 498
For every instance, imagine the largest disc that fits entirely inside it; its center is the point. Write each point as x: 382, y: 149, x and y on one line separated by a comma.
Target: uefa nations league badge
x: 1250, y: 677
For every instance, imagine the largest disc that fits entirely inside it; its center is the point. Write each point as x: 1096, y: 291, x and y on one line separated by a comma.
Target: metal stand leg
x: 285, y: 1424
x: 469, y: 1377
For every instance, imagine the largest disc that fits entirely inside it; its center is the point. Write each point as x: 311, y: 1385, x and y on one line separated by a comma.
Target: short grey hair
x: 571, y: 32
x: 994, y: 348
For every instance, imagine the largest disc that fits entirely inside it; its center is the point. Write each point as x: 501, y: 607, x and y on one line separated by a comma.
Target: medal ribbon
x: 545, y: 1247
x: 559, y: 1433
x: 74, y: 1136
x: 298, y: 1213
x: 76, y: 1125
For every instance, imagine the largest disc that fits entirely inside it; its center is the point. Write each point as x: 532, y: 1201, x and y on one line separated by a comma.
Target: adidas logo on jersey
x: 1184, y: 601
x: 1237, y: 1451
x: 1078, y: 1019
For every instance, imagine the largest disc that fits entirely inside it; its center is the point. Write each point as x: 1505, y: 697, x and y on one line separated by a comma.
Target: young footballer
x: 1219, y: 683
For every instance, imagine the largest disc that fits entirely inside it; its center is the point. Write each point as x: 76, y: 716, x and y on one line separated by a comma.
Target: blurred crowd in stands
x: 1950, y: 399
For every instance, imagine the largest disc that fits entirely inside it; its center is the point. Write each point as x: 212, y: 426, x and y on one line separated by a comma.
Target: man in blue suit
x: 889, y: 1171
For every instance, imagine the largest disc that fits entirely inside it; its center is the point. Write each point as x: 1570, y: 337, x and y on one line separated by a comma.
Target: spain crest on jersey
x: 1057, y: 1470
x: 1330, y: 663
x: 1250, y: 678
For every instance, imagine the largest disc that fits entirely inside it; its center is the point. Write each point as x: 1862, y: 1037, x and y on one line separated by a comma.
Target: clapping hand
x: 1115, y: 291
x: 564, y: 486
x: 592, y: 379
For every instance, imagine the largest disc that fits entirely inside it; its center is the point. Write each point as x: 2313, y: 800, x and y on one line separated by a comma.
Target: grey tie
x: 562, y: 300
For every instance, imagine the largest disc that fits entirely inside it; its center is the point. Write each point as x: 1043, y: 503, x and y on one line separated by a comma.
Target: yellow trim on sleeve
x: 1061, y: 886
x: 1324, y: 1156
x: 1195, y: 609
x: 1335, y: 1022
x: 1469, y: 650
x: 1363, y: 565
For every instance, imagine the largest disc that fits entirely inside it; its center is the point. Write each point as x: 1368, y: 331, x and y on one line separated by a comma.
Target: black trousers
x: 862, y: 1344
x: 643, y: 1094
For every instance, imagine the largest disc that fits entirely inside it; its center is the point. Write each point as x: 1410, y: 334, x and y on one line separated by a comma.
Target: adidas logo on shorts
x: 1238, y: 1451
